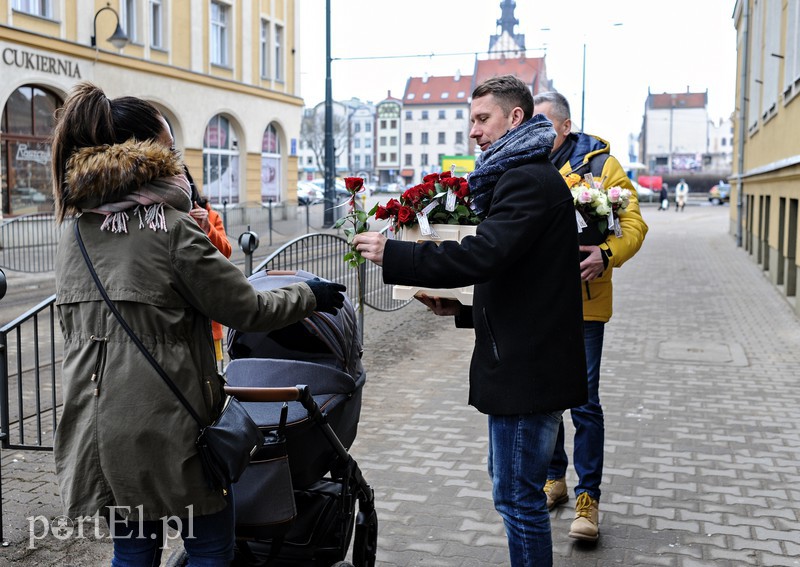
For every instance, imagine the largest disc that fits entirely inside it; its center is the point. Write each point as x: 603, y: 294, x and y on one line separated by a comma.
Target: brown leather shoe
x: 556, y: 491
x: 585, y: 526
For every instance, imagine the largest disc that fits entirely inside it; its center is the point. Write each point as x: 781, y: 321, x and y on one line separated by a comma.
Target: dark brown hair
x: 88, y: 119
x: 509, y: 92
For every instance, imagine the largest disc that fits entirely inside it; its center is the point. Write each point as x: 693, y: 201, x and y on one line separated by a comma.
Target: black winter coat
x: 527, y: 312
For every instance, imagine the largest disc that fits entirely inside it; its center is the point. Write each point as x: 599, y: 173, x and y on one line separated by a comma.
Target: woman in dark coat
x: 125, y: 446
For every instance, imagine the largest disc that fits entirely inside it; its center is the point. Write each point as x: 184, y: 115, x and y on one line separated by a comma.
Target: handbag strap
x: 130, y: 332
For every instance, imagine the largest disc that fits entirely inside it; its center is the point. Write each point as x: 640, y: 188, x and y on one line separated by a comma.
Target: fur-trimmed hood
x: 102, y: 174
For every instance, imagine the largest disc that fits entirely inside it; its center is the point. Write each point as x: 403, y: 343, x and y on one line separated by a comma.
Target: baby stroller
x: 295, y: 503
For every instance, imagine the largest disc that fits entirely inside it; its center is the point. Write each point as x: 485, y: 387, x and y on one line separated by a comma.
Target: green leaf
x: 340, y: 222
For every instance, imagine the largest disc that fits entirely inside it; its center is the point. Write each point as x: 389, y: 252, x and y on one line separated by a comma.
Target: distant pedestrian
x: 663, y: 198
x: 681, y: 194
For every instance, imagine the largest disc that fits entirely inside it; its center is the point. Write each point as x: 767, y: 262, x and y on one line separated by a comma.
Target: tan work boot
x: 585, y: 524
x: 556, y: 491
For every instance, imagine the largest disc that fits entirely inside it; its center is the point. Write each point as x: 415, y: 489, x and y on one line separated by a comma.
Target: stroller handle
x: 251, y: 394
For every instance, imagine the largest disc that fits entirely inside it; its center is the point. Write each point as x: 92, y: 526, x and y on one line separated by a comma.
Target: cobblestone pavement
x: 702, y: 426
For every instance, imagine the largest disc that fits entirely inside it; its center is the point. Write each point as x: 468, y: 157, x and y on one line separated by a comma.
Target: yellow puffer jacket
x: 598, y: 294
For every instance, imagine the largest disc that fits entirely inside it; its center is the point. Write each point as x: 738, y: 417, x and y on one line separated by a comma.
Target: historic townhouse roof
x: 531, y: 71
x: 438, y: 90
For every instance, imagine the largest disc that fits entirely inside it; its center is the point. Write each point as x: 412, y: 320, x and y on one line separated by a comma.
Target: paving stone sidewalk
x: 699, y: 386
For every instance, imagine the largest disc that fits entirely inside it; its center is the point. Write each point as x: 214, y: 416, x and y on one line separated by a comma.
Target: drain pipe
x: 742, y: 119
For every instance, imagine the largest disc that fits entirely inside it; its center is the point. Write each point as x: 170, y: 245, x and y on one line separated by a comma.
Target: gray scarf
x: 526, y: 143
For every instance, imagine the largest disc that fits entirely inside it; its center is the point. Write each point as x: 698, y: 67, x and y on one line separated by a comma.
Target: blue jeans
x: 208, y: 540
x: 520, y: 447
x: 588, y: 421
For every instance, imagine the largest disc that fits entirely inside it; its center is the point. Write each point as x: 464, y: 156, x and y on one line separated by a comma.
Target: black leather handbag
x: 226, y: 445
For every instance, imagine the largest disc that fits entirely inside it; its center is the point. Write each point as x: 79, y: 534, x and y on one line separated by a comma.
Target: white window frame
x: 157, y: 23
x: 214, y: 156
x: 756, y: 61
x: 265, y: 48
x: 273, y: 160
x: 40, y: 8
x: 791, y: 52
x: 219, y: 34
x: 771, y: 77
x: 128, y: 19
x: 278, y: 37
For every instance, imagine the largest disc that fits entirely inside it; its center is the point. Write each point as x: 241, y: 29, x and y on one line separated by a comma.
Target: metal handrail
x: 28, y: 243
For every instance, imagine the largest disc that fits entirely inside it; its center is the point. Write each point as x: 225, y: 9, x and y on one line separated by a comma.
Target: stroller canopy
x: 322, y: 338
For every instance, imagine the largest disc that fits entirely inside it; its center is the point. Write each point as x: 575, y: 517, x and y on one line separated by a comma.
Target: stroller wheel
x: 178, y: 559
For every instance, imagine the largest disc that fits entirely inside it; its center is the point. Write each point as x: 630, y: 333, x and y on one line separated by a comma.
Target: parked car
x: 308, y: 193
x: 644, y: 193
x: 390, y: 188
x: 339, y: 188
x: 720, y: 193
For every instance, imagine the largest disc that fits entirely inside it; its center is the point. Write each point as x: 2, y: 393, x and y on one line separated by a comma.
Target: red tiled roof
x: 681, y: 100
x: 437, y: 90
x: 530, y: 70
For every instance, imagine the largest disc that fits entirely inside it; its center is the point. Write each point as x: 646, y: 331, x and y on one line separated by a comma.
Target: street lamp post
x: 583, y: 87
x: 671, y: 108
x: 118, y: 39
x: 583, y: 83
x: 330, y: 158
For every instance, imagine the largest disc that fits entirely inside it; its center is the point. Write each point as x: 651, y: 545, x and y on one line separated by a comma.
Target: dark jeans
x: 208, y: 540
x: 519, y: 450
x: 588, y: 421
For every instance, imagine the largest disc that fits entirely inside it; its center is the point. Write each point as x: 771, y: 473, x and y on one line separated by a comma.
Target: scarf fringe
x: 152, y: 216
x: 116, y: 222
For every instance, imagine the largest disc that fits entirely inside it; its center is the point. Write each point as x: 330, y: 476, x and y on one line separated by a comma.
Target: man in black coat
x: 528, y: 364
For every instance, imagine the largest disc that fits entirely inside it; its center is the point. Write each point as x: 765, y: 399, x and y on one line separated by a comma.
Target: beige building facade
x: 223, y: 73
x: 765, y: 194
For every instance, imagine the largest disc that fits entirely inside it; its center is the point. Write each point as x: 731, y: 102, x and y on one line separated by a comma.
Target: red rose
x: 413, y: 195
x: 451, y: 183
x: 382, y: 213
x: 431, y: 177
x: 463, y: 190
x: 353, y: 184
x: 405, y: 215
x: 445, y: 175
x: 393, y: 206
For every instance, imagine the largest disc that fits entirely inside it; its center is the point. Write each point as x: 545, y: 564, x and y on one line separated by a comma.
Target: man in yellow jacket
x: 581, y: 153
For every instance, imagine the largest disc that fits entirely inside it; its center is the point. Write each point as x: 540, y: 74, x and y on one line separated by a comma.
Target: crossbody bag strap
x: 130, y: 332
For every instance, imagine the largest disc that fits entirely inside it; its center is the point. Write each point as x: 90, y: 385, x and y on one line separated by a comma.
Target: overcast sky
x: 663, y: 47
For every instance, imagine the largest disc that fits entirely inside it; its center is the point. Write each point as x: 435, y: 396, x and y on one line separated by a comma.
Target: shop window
x: 220, y: 162
x: 27, y: 126
x: 271, y: 165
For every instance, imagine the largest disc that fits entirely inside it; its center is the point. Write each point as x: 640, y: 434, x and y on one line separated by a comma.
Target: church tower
x: 506, y: 44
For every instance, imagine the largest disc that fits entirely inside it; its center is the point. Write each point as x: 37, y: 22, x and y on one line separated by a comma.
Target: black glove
x: 329, y: 295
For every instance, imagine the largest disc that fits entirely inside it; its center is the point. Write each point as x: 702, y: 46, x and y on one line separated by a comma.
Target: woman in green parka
x: 125, y: 446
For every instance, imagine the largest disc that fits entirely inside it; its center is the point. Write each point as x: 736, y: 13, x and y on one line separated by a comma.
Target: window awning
x: 407, y: 172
